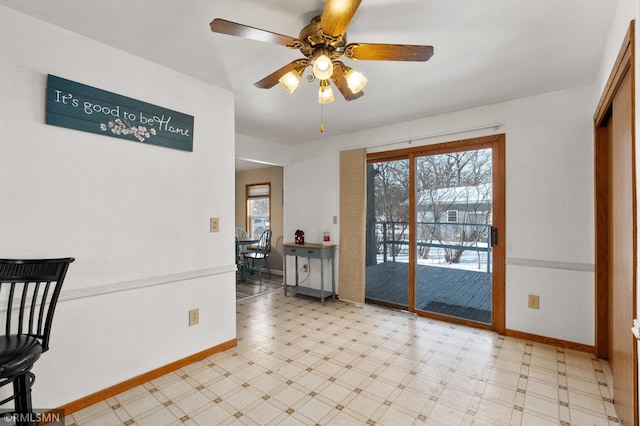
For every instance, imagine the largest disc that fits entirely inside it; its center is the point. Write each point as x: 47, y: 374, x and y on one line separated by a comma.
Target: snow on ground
x: 468, y: 260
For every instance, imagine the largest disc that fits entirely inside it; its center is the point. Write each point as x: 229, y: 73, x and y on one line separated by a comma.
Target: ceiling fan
x: 322, y: 42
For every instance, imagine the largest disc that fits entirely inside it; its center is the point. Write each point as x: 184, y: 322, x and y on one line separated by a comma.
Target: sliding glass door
x: 434, y: 219
x: 453, y: 206
x: 387, y: 257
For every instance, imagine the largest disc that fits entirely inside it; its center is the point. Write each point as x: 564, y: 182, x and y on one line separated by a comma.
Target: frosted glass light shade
x: 291, y: 80
x: 325, y: 94
x: 355, y: 80
x: 322, y: 67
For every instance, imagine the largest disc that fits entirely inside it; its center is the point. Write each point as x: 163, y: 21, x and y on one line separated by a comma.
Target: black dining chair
x: 260, y: 254
x: 29, y: 291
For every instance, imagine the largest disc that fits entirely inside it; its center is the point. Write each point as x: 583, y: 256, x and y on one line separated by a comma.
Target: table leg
x: 322, y: 279
x: 333, y: 277
x: 285, y: 275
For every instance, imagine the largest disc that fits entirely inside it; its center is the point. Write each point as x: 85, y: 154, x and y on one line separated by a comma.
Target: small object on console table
x: 299, y: 237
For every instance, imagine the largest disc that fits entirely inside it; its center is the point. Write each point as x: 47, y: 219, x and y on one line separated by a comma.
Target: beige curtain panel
x: 351, y: 276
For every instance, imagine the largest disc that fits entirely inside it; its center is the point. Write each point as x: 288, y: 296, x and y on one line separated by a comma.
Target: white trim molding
x: 550, y: 264
x: 99, y: 290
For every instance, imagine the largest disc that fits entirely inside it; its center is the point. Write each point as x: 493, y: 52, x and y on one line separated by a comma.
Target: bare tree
x: 453, y: 202
x: 454, y: 193
x: 391, y: 187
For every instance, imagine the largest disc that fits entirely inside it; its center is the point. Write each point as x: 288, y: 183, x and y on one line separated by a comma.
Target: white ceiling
x: 486, y: 51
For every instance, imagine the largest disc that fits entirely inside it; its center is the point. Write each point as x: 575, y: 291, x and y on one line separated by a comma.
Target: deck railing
x: 393, y: 236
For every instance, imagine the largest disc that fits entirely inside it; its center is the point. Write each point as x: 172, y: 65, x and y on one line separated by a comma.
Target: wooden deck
x: 454, y: 292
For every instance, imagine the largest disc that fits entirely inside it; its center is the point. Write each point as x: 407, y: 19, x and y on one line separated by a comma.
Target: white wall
x: 549, y: 215
x: 260, y: 150
x: 627, y: 11
x: 135, y: 216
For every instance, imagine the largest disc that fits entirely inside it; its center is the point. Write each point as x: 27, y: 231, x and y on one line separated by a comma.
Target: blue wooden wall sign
x: 77, y: 106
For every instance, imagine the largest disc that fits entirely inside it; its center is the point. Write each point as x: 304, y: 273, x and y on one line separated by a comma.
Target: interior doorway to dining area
x: 258, y: 209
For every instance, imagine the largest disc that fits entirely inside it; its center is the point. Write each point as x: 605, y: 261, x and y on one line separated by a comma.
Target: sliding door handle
x: 494, y: 236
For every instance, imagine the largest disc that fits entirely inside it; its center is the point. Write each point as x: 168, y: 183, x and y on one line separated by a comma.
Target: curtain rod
x: 494, y: 126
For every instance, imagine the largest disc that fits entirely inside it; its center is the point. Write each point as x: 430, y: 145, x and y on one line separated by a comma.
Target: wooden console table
x: 313, y: 251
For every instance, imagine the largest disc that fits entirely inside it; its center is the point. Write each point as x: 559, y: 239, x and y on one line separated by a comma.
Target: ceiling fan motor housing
x: 314, y: 40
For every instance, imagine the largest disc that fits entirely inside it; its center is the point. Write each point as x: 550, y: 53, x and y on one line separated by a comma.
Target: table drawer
x: 302, y: 252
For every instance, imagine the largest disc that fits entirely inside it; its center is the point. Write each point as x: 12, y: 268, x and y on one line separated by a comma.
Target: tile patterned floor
x: 252, y: 286
x: 300, y: 363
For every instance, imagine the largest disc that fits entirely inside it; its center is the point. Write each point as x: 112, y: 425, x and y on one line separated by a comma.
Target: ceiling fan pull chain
x: 321, y: 118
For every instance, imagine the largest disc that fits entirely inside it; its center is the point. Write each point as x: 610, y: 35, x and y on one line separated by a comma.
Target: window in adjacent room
x: 258, y: 208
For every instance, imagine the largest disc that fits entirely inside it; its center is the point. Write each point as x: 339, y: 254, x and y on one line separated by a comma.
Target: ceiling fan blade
x: 388, y: 52
x: 337, y: 15
x: 240, y: 30
x: 272, y: 79
x: 341, y: 82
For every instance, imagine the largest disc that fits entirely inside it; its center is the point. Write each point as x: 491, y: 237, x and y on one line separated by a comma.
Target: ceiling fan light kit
x: 291, y: 80
x: 322, y: 66
x: 322, y: 42
x: 355, y: 80
x: 325, y: 94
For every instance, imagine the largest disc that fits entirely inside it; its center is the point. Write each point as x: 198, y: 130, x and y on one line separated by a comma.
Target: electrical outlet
x: 194, y: 316
x: 534, y: 301
x: 305, y: 268
x: 214, y: 224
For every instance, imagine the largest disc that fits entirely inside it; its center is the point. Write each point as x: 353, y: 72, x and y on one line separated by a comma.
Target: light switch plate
x: 194, y: 316
x: 214, y: 224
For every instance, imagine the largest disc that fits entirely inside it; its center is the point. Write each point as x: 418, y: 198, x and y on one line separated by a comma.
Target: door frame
x: 624, y: 63
x: 623, y: 66
x: 497, y: 144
